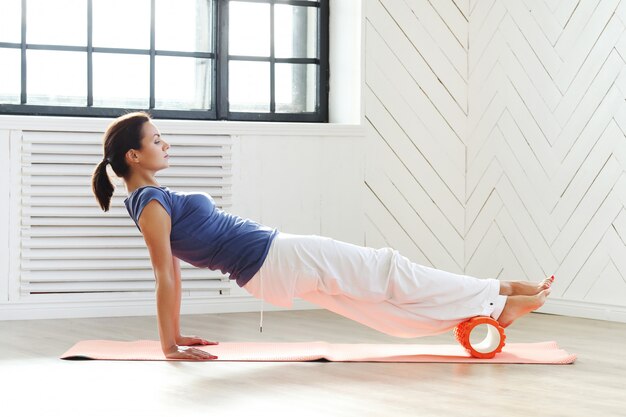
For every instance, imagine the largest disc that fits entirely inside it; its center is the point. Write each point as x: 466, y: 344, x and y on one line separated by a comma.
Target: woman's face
x: 153, y: 153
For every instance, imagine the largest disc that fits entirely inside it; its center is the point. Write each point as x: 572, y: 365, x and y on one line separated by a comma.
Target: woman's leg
x: 385, y: 290
x: 518, y: 305
x: 377, y: 287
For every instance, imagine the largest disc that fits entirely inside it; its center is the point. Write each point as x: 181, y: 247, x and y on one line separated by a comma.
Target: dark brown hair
x: 123, y: 133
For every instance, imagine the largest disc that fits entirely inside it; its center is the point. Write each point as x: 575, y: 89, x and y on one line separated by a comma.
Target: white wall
x: 495, y: 134
x: 302, y: 184
x: 415, y: 96
x: 493, y: 144
x: 546, y: 134
x: 303, y: 179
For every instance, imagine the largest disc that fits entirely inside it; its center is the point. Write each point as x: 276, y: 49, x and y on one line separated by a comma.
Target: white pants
x: 376, y: 287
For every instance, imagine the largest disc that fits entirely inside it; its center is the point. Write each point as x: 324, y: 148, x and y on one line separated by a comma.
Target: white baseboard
x: 584, y: 309
x: 107, y: 308
x: 234, y: 304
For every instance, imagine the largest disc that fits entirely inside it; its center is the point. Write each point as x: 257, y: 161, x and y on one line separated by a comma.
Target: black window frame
x: 219, y: 76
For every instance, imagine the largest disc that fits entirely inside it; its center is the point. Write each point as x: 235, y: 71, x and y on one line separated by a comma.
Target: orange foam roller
x: 489, y: 346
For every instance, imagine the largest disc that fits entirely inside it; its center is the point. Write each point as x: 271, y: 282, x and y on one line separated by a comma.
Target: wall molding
x: 138, y: 307
x: 198, y: 127
x: 584, y: 309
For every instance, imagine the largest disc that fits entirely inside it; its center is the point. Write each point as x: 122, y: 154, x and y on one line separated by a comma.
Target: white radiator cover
x: 71, y: 249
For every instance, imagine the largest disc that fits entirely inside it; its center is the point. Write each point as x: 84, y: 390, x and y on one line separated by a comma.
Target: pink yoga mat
x: 538, y: 353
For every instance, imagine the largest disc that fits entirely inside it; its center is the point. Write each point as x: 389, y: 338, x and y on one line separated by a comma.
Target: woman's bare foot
x: 525, y: 287
x: 518, y: 305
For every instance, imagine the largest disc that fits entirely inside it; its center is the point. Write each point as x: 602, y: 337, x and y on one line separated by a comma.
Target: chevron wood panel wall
x: 416, y: 86
x: 496, y: 141
x: 546, y: 152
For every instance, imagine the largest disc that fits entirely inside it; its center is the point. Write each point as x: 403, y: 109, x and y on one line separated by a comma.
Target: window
x: 264, y: 60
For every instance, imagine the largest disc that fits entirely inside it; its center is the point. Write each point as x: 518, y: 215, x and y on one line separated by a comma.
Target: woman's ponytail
x: 123, y: 133
x: 101, y: 185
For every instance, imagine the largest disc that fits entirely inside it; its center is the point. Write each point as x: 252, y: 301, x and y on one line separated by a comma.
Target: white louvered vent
x: 71, y: 247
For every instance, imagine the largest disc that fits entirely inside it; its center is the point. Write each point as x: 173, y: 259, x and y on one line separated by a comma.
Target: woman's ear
x: 131, y: 156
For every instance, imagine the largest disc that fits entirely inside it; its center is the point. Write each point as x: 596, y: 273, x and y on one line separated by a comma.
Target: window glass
x: 121, y: 80
x: 249, y: 29
x: 121, y: 24
x: 10, y: 75
x: 56, y: 78
x: 184, y: 25
x: 249, y: 86
x: 182, y: 83
x: 70, y: 25
x: 296, y: 85
x: 295, y: 31
x: 11, y: 21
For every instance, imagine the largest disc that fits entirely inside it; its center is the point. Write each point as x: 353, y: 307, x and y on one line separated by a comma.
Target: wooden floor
x: 33, y: 381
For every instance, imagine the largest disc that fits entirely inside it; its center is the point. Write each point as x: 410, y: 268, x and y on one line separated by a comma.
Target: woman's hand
x: 183, y: 352
x: 193, y: 340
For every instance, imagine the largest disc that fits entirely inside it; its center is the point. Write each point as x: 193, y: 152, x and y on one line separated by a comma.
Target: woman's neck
x: 130, y: 188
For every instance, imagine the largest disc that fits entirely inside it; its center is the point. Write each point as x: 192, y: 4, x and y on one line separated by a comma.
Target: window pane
x: 182, y: 83
x: 249, y: 86
x: 184, y: 25
x: 56, y: 78
x: 59, y: 22
x: 296, y: 88
x: 121, y: 24
x: 295, y: 31
x: 10, y: 77
x: 121, y: 80
x: 11, y: 21
x: 249, y: 29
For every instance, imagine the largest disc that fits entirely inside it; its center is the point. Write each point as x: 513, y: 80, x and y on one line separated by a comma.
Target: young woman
x: 379, y: 288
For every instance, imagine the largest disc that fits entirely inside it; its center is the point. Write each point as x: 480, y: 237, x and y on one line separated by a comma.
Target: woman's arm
x: 180, y: 339
x: 155, y: 225
x: 177, y: 280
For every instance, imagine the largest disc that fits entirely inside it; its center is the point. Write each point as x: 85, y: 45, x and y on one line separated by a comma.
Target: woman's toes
x: 546, y: 283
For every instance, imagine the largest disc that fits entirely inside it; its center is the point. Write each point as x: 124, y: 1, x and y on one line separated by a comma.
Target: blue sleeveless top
x: 205, y: 236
